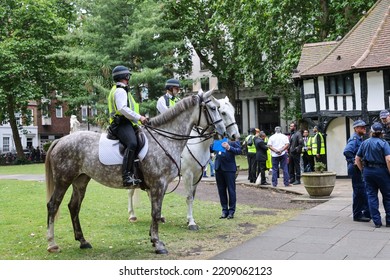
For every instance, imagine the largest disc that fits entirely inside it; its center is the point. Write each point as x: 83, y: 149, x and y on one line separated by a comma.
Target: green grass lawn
x: 36, y: 168
x: 104, y: 220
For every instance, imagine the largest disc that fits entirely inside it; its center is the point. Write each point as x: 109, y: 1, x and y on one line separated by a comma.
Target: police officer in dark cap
x: 124, y: 120
x: 360, y: 207
x: 384, y: 115
x: 373, y: 158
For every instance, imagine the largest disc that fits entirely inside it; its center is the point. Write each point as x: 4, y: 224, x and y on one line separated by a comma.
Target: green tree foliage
x: 116, y: 32
x: 259, y: 41
x: 29, y: 31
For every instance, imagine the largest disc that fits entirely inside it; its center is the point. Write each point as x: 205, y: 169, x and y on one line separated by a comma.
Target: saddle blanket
x: 109, y: 152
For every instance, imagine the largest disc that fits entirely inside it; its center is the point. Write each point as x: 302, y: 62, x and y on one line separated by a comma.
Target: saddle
x: 111, y: 151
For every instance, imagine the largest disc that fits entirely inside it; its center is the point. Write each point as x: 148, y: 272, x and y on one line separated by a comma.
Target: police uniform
x: 360, y: 207
x: 376, y: 175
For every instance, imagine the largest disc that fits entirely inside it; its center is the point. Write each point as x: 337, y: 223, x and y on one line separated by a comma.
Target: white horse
x: 194, y: 159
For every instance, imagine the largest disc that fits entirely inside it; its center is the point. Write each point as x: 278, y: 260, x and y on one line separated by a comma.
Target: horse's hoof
x: 53, y: 249
x: 132, y: 219
x: 193, y: 227
x: 162, y: 252
x: 162, y: 219
x: 85, y: 246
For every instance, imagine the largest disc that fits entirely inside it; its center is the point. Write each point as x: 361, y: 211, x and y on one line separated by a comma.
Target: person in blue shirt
x: 373, y: 158
x: 360, y: 208
x: 225, y: 176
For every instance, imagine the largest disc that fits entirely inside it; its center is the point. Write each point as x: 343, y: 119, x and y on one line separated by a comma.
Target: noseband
x: 210, y: 122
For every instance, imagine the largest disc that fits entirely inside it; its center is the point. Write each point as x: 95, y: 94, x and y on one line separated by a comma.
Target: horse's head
x: 212, y: 118
x: 226, y: 110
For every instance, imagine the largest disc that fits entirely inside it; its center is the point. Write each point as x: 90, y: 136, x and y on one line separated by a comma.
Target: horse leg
x: 130, y: 208
x: 162, y: 218
x: 52, y: 209
x: 191, y: 189
x: 156, y: 197
x: 79, y: 188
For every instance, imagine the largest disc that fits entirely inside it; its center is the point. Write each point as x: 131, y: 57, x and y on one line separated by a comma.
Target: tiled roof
x: 311, y: 54
x: 367, y: 45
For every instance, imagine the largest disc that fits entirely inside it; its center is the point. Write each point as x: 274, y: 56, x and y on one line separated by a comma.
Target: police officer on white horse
x: 169, y: 99
x: 124, y: 119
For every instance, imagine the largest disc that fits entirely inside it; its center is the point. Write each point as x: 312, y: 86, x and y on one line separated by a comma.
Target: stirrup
x: 129, y: 180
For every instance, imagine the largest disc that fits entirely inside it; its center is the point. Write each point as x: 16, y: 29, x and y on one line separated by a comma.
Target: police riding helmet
x: 121, y: 73
x: 172, y: 83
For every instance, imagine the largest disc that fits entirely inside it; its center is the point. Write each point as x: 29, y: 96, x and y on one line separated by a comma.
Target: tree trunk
x: 14, y: 127
x: 324, y: 19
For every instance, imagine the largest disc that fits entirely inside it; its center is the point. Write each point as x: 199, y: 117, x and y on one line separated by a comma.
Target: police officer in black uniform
x: 124, y: 118
x: 384, y: 115
x: 374, y: 156
x: 360, y: 207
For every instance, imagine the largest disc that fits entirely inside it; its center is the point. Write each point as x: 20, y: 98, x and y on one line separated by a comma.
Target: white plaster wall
x: 375, y: 100
x: 358, y: 92
x: 336, y: 140
x: 321, y: 92
x: 308, y: 88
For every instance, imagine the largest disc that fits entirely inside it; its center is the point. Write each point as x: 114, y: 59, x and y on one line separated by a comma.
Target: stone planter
x: 319, y: 184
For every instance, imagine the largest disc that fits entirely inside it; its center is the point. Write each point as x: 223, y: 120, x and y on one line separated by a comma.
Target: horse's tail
x: 49, y: 172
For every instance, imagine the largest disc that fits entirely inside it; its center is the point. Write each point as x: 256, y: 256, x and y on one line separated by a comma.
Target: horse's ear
x: 208, y: 93
x: 200, y: 92
x: 215, y: 101
x: 227, y: 99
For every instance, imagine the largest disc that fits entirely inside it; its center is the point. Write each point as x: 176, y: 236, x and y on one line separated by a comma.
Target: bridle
x: 202, y: 131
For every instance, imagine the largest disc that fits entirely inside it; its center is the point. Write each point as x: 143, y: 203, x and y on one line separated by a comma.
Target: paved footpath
x: 325, y: 232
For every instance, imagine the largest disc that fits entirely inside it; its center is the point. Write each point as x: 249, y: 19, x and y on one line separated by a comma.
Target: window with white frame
x: 6, y: 144
x: 84, y: 113
x: 58, y: 111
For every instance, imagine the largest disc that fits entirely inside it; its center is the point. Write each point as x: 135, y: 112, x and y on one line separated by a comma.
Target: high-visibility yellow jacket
x: 133, y: 105
x: 251, y: 149
x: 314, y: 145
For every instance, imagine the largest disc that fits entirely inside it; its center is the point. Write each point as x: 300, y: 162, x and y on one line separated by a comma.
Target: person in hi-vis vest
x: 251, y: 155
x: 124, y: 119
x: 169, y: 99
x: 317, y: 146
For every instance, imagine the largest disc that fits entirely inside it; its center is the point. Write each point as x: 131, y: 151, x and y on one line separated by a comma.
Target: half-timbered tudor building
x: 346, y: 80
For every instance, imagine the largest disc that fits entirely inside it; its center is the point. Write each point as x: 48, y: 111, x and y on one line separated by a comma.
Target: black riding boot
x: 128, y: 177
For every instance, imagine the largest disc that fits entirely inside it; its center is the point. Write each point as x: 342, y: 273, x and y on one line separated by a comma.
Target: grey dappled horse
x: 194, y: 159
x: 74, y: 160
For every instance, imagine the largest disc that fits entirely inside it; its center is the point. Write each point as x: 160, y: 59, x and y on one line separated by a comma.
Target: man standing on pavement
x: 296, y: 144
x: 318, y: 146
x: 251, y: 155
x: 261, y: 157
x: 278, y: 143
x: 384, y: 115
x: 360, y: 207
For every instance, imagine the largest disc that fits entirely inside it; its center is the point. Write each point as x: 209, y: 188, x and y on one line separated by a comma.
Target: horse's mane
x: 179, y: 107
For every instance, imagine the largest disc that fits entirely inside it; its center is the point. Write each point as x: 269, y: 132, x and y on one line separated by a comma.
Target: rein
x: 174, y: 136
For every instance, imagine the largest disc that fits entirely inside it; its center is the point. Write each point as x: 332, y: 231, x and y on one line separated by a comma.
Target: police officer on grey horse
x: 124, y: 120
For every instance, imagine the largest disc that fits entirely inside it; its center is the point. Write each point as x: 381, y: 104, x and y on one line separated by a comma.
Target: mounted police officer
x: 374, y: 155
x: 169, y: 99
x: 360, y: 207
x: 124, y: 119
